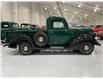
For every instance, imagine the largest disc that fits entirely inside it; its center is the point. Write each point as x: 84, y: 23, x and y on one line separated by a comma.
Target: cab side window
x: 58, y: 25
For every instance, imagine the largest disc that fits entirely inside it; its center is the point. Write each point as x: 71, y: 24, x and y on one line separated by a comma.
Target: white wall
x: 7, y: 11
x: 23, y: 12
x: 31, y: 12
x: 99, y: 21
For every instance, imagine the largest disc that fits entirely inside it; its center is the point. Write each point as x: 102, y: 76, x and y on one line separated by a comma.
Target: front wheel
x: 86, y: 48
x: 25, y: 48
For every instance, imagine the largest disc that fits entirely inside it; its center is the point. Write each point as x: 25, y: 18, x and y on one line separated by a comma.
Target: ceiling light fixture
x: 65, y: 9
x: 97, y: 5
x: 64, y: 2
x: 96, y: 9
x: 86, y: 15
x: 46, y: 8
x: 79, y: 5
x: 80, y: 18
x: 55, y: 8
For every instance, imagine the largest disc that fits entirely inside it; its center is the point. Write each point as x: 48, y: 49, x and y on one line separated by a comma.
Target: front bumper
x: 94, y: 41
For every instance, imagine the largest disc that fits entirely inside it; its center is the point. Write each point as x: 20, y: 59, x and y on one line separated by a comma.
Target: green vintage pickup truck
x: 57, y: 33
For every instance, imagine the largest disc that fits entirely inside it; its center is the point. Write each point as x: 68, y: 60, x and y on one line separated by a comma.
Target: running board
x: 57, y: 49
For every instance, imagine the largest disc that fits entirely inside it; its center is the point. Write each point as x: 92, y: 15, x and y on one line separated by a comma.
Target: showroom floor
x: 52, y: 64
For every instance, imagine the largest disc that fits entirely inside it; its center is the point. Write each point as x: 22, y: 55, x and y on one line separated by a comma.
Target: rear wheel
x: 25, y: 48
x: 86, y: 48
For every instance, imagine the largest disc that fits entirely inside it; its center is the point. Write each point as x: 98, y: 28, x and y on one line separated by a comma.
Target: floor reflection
x: 52, y: 64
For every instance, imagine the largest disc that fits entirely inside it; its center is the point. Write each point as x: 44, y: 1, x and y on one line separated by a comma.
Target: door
x: 59, y: 34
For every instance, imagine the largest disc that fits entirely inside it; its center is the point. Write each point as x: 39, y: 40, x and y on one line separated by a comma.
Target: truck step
x: 57, y: 50
x: 55, y: 47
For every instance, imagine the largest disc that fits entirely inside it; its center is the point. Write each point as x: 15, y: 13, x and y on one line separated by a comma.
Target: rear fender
x: 20, y: 39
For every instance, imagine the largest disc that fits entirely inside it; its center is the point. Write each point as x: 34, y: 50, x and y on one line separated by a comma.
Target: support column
x: 6, y: 13
x: 35, y: 16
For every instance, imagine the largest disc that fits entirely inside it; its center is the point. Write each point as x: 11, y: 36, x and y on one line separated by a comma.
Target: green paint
x: 57, y: 36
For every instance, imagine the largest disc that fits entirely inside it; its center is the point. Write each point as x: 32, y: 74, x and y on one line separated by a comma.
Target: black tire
x: 25, y: 48
x: 40, y: 39
x: 86, y: 48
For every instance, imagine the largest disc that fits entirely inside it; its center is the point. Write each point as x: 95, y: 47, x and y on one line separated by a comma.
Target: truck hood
x: 82, y: 30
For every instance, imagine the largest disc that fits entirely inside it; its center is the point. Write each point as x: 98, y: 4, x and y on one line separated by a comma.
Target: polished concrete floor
x: 52, y: 64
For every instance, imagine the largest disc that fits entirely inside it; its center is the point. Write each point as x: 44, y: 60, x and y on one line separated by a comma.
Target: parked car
x: 98, y: 29
x: 58, y: 33
x: 25, y: 25
x: 28, y: 26
x: 7, y: 26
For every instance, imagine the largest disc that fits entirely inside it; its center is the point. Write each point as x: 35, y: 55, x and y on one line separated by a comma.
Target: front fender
x: 84, y: 37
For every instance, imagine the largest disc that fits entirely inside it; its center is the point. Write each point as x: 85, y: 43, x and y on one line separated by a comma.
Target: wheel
x: 25, y: 48
x: 40, y: 39
x: 86, y: 48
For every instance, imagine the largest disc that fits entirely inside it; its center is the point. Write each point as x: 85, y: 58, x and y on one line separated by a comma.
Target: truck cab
x: 58, y: 31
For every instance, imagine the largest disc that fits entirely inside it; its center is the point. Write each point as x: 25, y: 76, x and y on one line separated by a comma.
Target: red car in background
x: 40, y: 27
x: 98, y: 29
x: 26, y: 25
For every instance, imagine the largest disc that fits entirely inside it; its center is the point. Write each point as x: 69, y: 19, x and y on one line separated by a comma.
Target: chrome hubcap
x: 40, y: 39
x: 86, y: 47
x: 25, y: 48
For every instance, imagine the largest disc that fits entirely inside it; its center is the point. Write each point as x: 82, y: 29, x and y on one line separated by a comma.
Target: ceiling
x: 79, y: 10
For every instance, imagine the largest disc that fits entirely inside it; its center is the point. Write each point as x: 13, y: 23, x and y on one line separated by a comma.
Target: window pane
x: 58, y: 25
x: 5, y: 25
